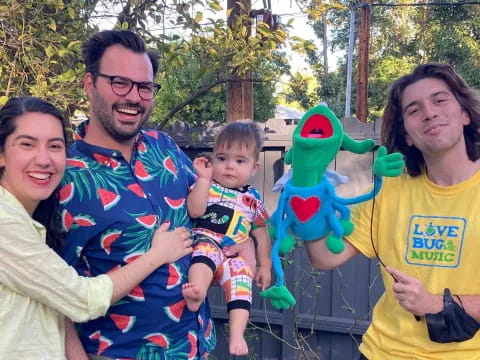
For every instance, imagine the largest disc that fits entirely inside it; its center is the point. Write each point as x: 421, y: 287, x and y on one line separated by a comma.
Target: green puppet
x: 308, y: 207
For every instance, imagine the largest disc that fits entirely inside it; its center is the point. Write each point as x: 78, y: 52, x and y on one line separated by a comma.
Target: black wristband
x: 447, y: 298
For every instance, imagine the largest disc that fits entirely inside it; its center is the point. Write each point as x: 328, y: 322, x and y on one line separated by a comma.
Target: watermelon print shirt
x: 110, y: 209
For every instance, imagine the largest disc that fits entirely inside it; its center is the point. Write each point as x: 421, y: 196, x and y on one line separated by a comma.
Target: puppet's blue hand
x: 388, y: 165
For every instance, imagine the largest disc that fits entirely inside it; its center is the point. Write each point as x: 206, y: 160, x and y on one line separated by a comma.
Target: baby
x: 228, y: 212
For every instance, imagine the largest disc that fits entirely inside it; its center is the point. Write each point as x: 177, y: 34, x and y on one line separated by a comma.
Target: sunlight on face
x: 33, y: 159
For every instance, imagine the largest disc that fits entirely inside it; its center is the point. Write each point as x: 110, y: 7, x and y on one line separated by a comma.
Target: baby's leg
x: 235, y: 277
x: 205, y: 259
x: 237, y: 323
x: 199, y: 277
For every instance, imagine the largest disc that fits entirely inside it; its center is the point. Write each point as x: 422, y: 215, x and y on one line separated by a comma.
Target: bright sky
x: 301, y: 27
x: 287, y: 9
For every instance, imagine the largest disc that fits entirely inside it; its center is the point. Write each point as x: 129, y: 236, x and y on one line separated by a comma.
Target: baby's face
x: 234, y: 165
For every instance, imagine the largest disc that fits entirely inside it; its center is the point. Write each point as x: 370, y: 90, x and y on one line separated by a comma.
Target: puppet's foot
x: 286, y: 245
x: 335, y: 244
x: 280, y: 297
x: 347, y: 226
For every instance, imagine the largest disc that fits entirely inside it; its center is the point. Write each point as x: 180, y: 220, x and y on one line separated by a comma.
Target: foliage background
x: 41, y: 51
x: 403, y: 33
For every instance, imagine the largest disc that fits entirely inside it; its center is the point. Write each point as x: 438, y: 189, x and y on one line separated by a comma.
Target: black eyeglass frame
x: 143, y: 84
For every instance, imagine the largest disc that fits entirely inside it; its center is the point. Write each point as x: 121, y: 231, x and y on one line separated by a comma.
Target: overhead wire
x: 420, y: 4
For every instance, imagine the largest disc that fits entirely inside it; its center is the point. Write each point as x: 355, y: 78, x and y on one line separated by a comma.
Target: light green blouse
x: 38, y: 288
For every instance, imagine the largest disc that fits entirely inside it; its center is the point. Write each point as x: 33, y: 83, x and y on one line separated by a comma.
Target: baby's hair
x: 245, y: 133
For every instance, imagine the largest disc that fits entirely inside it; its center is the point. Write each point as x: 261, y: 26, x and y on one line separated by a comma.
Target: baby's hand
x: 263, y: 277
x: 172, y: 245
x: 203, y: 167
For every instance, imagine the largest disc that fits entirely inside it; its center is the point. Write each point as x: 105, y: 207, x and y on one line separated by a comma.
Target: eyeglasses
x: 122, y: 86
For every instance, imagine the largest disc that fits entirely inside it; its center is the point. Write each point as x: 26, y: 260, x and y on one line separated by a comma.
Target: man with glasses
x: 121, y: 182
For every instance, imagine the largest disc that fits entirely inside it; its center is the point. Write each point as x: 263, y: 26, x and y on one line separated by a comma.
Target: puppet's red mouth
x: 317, y: 127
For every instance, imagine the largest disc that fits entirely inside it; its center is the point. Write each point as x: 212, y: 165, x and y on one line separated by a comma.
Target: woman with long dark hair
x: 37, y: 288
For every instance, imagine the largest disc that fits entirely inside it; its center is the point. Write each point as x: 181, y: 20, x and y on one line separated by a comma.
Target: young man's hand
x: 412, y: 295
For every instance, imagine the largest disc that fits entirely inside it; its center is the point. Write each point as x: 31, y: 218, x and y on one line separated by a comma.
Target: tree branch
x: 201, y: 92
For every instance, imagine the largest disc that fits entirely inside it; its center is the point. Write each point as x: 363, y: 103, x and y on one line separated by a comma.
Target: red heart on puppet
x: 303, y: 208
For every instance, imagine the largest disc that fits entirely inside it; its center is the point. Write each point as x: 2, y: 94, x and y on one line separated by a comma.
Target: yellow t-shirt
x: 431, y: 233
x: 37, y: 288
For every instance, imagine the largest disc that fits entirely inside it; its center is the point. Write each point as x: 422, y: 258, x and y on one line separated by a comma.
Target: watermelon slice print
x: 95, y: 335
x: 141, y: 147
x: 67, y: 220
x: 158, y: 339
x: 137, y: 294
x: 66, y: 193
x: 123, y: 322
x: 174, y: 203
x: 76, y: 163
x: 170, y: 165
x: 152, y: 133
x: 137, y: 190
x: 109, y: 199
x: 192, y: 339
x: 131, y: 257
x: 174, y: 276
x: 140, y: 171
x: 175, y: 311
x: 84, y: 220
x: 104, y: 342
x: 148, y: 221
x: 107, y: 238
x: 107, y: 161
x: 208, y: 331
x: 200, y: 320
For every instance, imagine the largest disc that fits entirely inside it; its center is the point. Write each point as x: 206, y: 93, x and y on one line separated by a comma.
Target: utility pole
x: 351, y: 44
x: 325, y: 43
x: 240, y: 92
x: 364, y: 40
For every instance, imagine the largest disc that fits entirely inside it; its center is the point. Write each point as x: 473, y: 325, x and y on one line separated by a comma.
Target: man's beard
x: 104, y: 114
